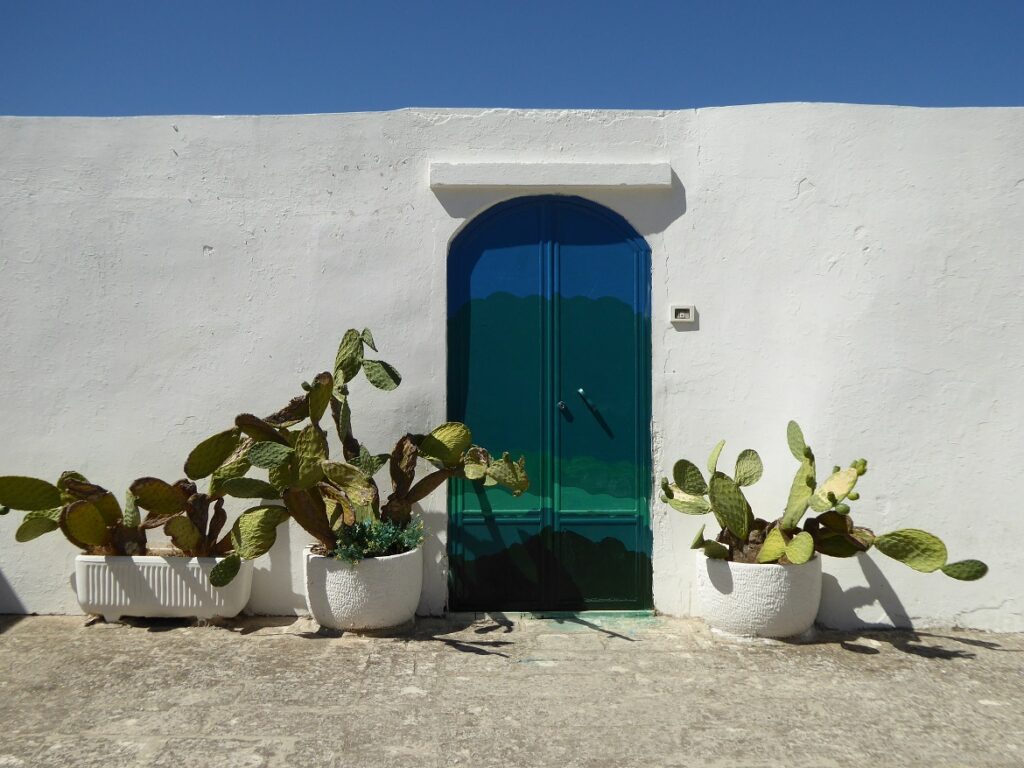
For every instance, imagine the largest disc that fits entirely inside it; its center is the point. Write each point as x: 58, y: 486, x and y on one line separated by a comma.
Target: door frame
x: 644, y: 382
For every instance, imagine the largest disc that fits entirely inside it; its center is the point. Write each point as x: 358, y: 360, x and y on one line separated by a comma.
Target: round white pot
x: 374, y: 593
x: 756, y: 600
x: 153, y: 586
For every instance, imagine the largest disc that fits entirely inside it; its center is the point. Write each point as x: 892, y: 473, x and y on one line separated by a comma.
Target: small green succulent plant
x: 831, y: 531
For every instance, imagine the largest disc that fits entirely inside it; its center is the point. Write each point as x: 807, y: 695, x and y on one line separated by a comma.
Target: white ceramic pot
x: 153, y: 586
x: 758, y: 600
x: 374, y: 593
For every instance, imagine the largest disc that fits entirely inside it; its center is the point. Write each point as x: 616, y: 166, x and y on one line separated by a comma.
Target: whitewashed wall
x: 857, y: 268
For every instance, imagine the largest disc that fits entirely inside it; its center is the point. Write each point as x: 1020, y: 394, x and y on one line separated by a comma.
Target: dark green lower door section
x: 549, y: 356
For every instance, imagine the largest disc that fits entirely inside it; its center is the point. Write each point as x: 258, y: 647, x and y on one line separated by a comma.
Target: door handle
x: 562, y: 406
x: 586, y: 400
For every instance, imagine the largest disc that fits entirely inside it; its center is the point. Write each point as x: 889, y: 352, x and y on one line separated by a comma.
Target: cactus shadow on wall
x: 9, y: 602
x: 839, y: 606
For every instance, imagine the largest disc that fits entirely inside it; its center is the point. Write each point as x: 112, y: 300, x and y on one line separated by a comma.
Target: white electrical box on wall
x: 682, y: 314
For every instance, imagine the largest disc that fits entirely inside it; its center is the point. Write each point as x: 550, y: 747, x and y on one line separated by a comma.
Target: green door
x: 549, y: 356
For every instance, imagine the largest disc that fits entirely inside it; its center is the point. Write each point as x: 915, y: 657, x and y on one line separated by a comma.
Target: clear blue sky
x: 101, y: 57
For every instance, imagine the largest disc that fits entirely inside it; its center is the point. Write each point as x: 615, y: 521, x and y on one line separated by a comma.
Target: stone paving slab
x: 502, y: 691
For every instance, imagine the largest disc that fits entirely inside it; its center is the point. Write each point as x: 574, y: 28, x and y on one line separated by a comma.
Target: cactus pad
x: 730, y: 506
x: 698, y: 540
x: 249, y: 488
x: 258, y: 429
x: 748, y: 467
x: 130, y: 518
x: 796, y: 442
x: 919, y: 549
x: 382, y: 375
x: 224, y: 572
x: 446, y: 444
x: 773, y: 548
x: 965, y: 570
x: 715, y: 551
x: 799, y: 495
x: 833, y: 490
x: 800, y: 548
x: 688, y: 478
x: 268, y: 455
x: 156, y: 496
x: 36, y: 523
x: 349, y: 358
x: 688, y: 505
x: 357, y: 486
x: 510, y: 474
x: 183, y: 534
x: 211, y: 453
x: 713, y: 458
x: 83, y: 523
x: 310, y: 451
x: 320, y: 396
x: 255, y: 530
x: 28, y: 494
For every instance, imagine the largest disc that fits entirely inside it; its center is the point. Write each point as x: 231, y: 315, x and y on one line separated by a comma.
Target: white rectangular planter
x: 152, y: 586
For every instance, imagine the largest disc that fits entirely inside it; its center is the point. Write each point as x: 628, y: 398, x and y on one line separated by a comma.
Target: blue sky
x: 106, y: 57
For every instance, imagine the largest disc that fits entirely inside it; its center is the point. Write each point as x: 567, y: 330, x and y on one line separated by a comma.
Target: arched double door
x: 549, y: 357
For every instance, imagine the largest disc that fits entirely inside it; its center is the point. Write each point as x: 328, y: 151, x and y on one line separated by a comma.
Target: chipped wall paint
x: 857, y: 268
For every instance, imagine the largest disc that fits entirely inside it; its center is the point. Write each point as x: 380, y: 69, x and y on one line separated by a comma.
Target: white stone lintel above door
x: 545, y: 175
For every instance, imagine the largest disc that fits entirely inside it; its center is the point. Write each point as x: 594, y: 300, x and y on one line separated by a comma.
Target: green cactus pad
x: 446, y: 444
x: 965, y: 570
x: 310, y: 451
x: 688, y: 505
x: 476, y: 463
x: 156, y: 496
x: 748, y: 467
x: 862, y: 538
x: 349, y: 358
x: 800, y: 548
x: 773, y: 548
x: 258, y: 429
x: 237, y: 466
x: 131, y: 517
x: 320, y: 396
x: 357, y: 486
x: 370, y: 464
x: 799, y: 495
x: 795, y: 441
x: 224, y: 572
x: 918, y: 549
x: 836, y: 487
x: 698, y: 540
x: 510, y: 474
x: 836, y: 522
x: 211, y: 453
x: 66, y: 494
x: 267, y: 455
x: 183, y: 534
x: 28, y: 494
x: 367, y: 338
x: 255, y: 530
x: 834, y: 544
x: 38, y: 522
x: 730, y: 506
x: 297, y: 410
x: 249, y: 488
x: 713, y: 458
x: 84, y: 523
x: 715, y: 551
x: 382, y: 375
x: 688, y: 478
x: 285, y: 475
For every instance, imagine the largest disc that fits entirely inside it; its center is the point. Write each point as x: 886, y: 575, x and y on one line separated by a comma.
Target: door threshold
x: 540, y: 615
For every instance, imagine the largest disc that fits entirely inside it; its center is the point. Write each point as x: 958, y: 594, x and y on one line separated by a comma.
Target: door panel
x: 548, y: 296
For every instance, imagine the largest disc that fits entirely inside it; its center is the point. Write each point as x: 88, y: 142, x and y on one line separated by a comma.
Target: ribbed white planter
x: 758, y: 600
x: 375, y: 593
x: 152, y: 586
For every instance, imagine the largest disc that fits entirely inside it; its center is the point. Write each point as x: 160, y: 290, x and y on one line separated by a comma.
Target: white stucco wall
x: 857, y: 268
